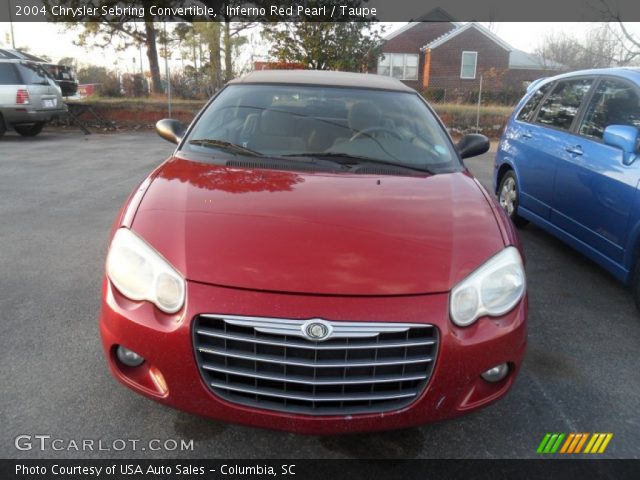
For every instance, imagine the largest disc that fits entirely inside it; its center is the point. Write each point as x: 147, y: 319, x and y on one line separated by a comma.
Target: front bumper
x: 170, y: 374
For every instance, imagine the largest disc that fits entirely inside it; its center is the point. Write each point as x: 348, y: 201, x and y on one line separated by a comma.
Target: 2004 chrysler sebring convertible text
x: 315, y: 257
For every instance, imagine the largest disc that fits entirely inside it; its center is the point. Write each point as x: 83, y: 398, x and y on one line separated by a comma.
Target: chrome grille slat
x: 336, y: 381
x: 314, y: 346
x: 268, y: 363
x: 314, y: 398
x: 281, y: 326
x: 298, y: 363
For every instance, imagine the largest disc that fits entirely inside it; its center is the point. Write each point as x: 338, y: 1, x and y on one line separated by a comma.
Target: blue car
x: 569, y: 162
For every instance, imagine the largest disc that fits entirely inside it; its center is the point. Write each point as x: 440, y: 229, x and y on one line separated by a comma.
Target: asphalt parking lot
x: 59, y: 194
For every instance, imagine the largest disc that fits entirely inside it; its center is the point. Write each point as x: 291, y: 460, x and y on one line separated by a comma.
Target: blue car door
x: 535, y: 167
x: 594, y: 190
x: 548, y: 133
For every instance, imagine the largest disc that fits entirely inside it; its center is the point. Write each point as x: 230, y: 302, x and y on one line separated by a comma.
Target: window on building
x: 403, y: 66
x: 468, y: 65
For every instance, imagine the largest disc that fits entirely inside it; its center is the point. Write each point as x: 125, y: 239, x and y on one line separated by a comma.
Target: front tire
x: 3, y: 127
x: 29, y: 130
x: 508, y: 196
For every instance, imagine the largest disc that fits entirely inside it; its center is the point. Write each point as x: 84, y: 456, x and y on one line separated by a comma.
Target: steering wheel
x: 370, y: 130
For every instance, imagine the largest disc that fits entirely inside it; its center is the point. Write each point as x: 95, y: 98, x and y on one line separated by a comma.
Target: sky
x: 51, y: 40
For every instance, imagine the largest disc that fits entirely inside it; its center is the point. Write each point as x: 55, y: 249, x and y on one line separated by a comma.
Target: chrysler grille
x: 268, y: 363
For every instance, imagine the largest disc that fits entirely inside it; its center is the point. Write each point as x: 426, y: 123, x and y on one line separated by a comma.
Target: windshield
x: 308, y: 121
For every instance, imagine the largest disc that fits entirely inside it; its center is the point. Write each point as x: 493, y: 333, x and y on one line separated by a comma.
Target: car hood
x: 318, y: 233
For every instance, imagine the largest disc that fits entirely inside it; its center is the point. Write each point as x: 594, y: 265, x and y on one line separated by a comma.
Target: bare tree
x: 629, y: 42
x: 601, y: 46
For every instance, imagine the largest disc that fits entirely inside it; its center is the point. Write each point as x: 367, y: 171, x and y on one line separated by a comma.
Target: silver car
x: 29, y: 97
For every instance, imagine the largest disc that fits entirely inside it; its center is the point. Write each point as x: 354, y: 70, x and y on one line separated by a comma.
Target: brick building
x: 450, y: 58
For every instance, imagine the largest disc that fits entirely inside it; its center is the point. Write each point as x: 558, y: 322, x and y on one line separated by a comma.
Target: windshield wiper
x: 228, y: 146
x: 347, y: 159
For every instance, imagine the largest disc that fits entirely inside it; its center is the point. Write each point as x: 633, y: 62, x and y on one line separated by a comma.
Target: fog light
x: 129, y: 357
x: 496, y: 373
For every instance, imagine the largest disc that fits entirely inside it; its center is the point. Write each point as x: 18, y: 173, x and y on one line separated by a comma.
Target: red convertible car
x: 315, y: 257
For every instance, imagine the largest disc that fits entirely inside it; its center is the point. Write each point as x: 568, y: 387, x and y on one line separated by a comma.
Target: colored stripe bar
x: 583, y: 439
x: 604, y: 445
x: 543, y: 443
x: 550, y: 443
x: 555, y: 448
x: 574, y: 444
x: 566, y: 445
x: 592, y: 441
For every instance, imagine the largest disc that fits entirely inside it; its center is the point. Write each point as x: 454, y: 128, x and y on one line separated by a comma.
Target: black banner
x: 319, y: 10
x: 319, y: 469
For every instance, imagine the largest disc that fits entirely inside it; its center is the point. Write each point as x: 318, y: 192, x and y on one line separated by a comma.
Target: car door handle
x: 526, y: 135
x: 577, y: 150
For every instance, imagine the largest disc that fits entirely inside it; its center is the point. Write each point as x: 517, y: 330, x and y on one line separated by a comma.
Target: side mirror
x: 624, y: 137
x: 171, y: 130
x: 472, y: 145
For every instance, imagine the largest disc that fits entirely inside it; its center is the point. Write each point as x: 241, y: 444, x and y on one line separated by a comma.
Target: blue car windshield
x: 299, y: 120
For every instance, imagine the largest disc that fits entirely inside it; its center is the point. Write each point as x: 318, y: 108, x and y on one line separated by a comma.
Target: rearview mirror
x: 624, y: 137
x: 171, y: 130
x: 472, y: 145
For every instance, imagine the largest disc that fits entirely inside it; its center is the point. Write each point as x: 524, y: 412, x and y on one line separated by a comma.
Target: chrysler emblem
x: 316, y: 330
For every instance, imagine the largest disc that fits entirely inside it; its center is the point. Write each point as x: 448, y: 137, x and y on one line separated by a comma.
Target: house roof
x: 435, y: 15
x: 518, y: 59
x: 528, y: 61
x: 457, y: 31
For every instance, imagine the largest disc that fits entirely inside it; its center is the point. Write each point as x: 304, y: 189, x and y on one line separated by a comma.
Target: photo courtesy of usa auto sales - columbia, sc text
x: 136, y: 469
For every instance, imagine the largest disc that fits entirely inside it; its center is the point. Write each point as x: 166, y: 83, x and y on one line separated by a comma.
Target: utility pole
x: 479, y: 103
x: 13, y: 38
x: 166, y: 67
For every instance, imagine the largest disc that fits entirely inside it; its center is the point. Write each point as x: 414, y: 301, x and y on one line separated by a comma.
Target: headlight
x: 140, y: 273
x: 493, y: 289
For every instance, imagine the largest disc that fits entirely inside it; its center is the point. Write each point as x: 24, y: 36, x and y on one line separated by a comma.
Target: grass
x: 467, y: 109
x: 157, y: 100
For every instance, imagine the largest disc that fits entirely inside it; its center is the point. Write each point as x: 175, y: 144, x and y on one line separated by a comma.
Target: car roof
x: 323, y: 78
x: 630, y: 73
x: 12, y: 53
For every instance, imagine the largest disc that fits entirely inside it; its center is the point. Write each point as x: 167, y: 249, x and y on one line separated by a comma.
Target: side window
x: 32, y: 74
x: 8, y: 75
x: 468, y: 65
x: 614, y: 103
x: 403, y: 66
x: 384, y: 65
x: 529, y: 108
x: 562, y: 104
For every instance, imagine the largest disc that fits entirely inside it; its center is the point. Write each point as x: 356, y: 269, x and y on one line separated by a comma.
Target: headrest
x: 273, y: 122
x: 363, y: 115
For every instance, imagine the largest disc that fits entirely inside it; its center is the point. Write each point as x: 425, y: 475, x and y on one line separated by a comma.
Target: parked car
x: 568, y: 162
x: 63, y: 75
x: 315, y: 257
x: 29, y: 97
